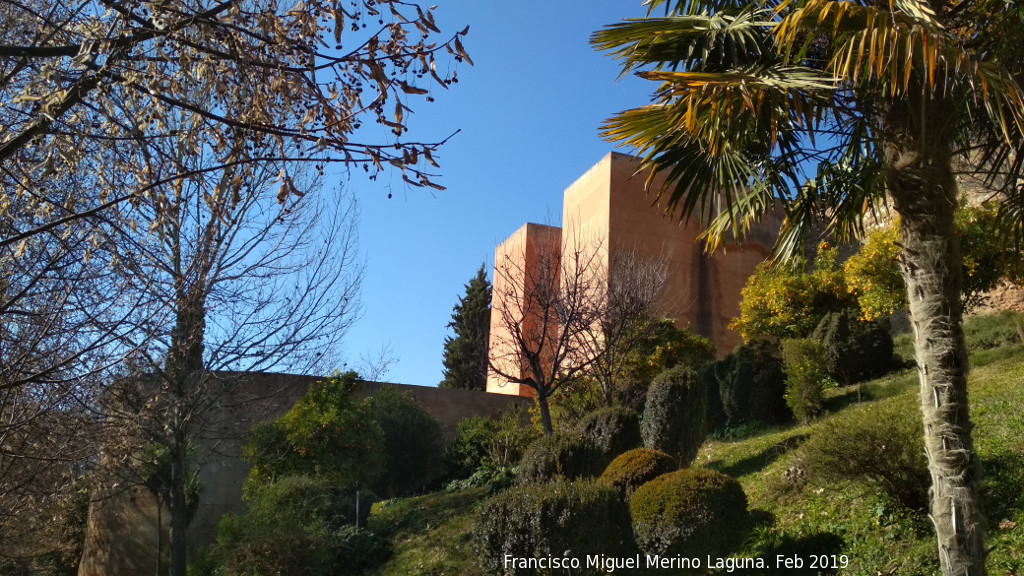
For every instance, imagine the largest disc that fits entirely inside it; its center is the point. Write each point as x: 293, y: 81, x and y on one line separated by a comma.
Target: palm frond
x: 706, y: 42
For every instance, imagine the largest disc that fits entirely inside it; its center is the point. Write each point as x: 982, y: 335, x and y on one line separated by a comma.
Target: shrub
x: 612, y: 430
x: 879, y: 443
x: 560, y: 454
x: 494, y: 479
x: 690, y: 512
x: 413, y: 444
x: 854, y: 350
x: 485, y: 442
x: 804, y: 364
x: 993, y: 331
x: 752, y: 385
x: 874, y: 276
x: 541, y: 520
x: 637, y: 467
x: 357, y: 550
x: 674, y: 417
x: 327, y: 433
x: 714, y: 414
x: 785, y: 300
x: 665, y: 346
x: 469, y: 449
x: 295, y: 525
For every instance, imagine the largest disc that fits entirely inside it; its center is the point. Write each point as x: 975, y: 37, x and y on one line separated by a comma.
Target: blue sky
x: 528, y: 112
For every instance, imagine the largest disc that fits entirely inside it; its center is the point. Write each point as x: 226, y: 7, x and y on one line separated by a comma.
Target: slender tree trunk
x: 545, y: 413
x: 177, y: 509
x: 184, y: 372
x: 925, y: 195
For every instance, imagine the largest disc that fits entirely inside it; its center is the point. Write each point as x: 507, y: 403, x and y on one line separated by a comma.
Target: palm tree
x: 829, y: 110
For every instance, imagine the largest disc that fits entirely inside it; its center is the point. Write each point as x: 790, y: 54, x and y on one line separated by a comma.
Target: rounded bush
x: 691, y: 512
x: 675, y: 415
x: 636, y: 467
x: 541, y: 520
x: 612, y: 430
x: 560, y: 454
x: 752, y: 385
x: 854, y: 350
x: 413, y: 443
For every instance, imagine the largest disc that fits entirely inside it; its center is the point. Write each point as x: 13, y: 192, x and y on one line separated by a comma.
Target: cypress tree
x: 465, y: 353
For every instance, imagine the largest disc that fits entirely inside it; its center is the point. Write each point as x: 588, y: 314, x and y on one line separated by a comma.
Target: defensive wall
x: 127, y: 532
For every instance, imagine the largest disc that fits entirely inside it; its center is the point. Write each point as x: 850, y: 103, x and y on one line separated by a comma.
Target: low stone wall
x: 127, y: 533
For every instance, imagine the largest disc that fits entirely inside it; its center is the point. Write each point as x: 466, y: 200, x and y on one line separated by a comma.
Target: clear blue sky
x: 528, y: 111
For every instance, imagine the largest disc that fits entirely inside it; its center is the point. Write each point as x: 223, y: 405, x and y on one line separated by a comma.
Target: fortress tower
x: 608, y: 210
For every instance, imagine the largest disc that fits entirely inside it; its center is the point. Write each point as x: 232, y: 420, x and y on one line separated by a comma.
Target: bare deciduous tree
x: 546, y: 300
x: 240, y: 282
x: 628, y: 286
x: 63, y: 303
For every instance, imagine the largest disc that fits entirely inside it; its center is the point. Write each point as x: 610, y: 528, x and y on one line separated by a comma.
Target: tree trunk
x: 545, y: 413
x: 184, y: 372
x: 924, y: 192
x: 177, y: 509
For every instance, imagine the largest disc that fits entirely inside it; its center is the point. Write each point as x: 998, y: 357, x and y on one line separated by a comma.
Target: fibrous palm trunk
x: 924, y: 192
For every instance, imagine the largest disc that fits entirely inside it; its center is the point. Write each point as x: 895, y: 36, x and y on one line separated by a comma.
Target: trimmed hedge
x: 805, y: 369
x: 691, y: 512
x: 636, y: 467
x: 541, y: 520
x: 612, y: 430
x: 560, y: 454
x: 413, y: 443
x: 854, y: 350
x: 752, y: 385
x: 675, y: 416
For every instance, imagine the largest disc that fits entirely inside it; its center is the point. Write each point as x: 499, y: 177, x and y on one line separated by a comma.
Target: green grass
x: 430, y: 535
x: 433, y: 534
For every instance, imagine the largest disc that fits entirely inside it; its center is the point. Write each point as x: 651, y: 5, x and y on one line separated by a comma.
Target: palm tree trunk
x: 925, y: 195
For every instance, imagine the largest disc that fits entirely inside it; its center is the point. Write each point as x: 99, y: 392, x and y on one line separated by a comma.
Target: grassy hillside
x: 432, y: 534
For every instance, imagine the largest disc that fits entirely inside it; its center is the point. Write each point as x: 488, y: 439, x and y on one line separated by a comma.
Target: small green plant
x: 494, y: 479
x: 558, y: 519
x: 804, y: 364
x: 690, y: 512
x: 636, y: 467
x: 674, y: 419
x: 486, y: 442
x: 878, y: 443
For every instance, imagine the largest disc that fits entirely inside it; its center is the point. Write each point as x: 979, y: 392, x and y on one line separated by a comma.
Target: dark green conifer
x: 465, y: 352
